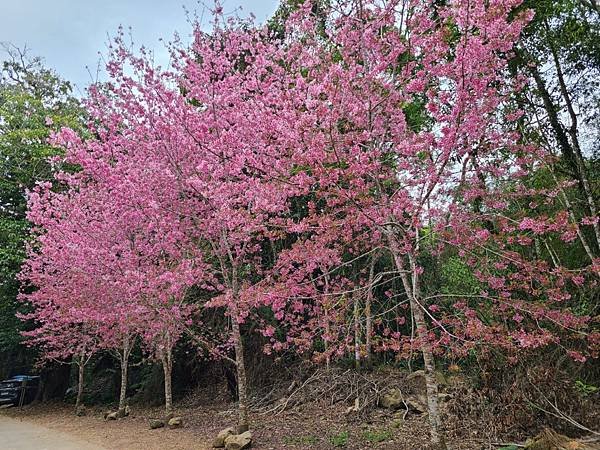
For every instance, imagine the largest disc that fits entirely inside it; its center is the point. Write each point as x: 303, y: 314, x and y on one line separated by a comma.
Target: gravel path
x: 21, y: 435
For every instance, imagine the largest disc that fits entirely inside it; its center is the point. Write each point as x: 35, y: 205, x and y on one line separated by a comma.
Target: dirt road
x: 18, y: 435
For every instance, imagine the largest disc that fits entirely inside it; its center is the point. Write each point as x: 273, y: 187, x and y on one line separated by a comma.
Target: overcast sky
x: 68, y: 34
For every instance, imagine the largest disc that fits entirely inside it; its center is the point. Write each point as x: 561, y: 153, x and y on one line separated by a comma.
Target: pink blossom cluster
x: 264, y: 173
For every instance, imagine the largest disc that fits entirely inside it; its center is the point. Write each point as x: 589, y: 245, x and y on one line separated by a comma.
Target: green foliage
x: 457, y: 277
x: 276, y: 24
x: 584, y: 389
x: 378, y: 435
x: 34, y: 102
x: 339, y: 439
x: 417, y: 117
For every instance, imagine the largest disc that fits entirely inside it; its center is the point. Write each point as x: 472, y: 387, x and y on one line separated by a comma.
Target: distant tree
x: 560, y: 52
x: 34, y: 102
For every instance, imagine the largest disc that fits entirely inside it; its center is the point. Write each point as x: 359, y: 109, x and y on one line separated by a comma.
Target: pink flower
x: 576, y: 356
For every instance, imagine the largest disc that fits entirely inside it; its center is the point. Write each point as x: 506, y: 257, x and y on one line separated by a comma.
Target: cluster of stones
x: 229, y: 440
x: 173, y: 422
x: 121, y: 413
x: 394, y: 399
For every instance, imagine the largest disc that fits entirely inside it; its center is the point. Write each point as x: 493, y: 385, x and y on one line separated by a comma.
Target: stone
x: 219, y: 441
x: 156, y: 423
x: 175, y: 422
x: 392, y: 399
x: 440, y: 378
x: 416, y: 403
x: 416, y: 374
x: 238, y: 441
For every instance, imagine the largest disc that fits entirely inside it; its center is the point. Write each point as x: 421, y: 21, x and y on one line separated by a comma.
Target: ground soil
x: 131, y: 433
x: 308, y: 429
x: 23, y: 435
x: 313, y: 412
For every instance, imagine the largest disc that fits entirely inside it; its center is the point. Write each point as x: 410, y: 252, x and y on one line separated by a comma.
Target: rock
x: 392, y: 399
x: 112, y: 416
x: 219, y: 441
x: 156, y: 423
x: 416, y: 403
x: 416, y: 374
x: 175, y: 422
x: 238, y: 441
x: 420, y: 375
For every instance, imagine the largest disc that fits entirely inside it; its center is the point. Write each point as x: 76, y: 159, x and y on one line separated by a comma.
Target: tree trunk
x: 327, y: 327
x: 326, y: 347
x: 167, y: 362
x: 243, y: 423
x: 368, y: 315
x: 124, y: 369
x: 81, y: 367
x: 574, y: 133
x: 356, y: 330
x: 412, y: 291
x: 570, y: 150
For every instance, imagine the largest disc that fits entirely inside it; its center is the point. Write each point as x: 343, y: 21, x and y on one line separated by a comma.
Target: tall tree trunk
x: 81, y: 368
x: 570, y: 150
x: 243, y: 423
x: 326, y: 347
x: 574, y: 134
x: 356, y: 330
x: 368, y: 314
x: 412, y: 291
x: 242, y: 385
x: 327, y: 327
x: 167, y: 363
x: 124, y: 357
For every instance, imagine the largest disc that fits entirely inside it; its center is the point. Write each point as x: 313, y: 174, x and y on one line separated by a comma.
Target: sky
x: 69, y: 34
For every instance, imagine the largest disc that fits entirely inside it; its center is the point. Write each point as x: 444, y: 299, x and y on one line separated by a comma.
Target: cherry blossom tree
x: 276, y: 170
x: 422, y: 189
